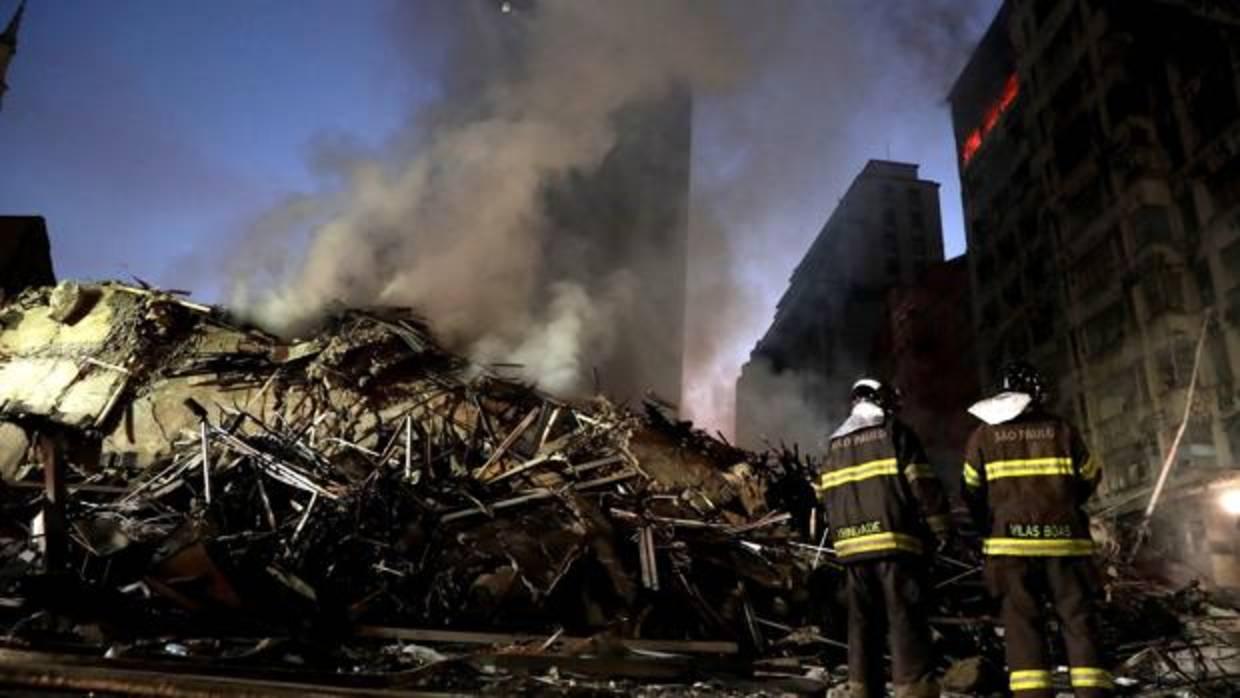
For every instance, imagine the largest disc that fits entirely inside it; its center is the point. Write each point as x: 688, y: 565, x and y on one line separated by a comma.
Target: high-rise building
x: 926, y: 349
x: 8, y: 47
x: 622, y: 229
x: 885, y: 231
x: 1099, y: 145
x: 25, y: 255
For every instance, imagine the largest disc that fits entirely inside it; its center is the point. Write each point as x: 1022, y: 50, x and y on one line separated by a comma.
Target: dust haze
x: 450, y: 218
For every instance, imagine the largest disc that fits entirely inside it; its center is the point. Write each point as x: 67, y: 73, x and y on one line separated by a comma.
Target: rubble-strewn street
x: 361, y: 509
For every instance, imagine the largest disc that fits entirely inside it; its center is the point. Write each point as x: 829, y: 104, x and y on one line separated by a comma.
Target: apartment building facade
x: 1099, y: 154
x: 885, y: 232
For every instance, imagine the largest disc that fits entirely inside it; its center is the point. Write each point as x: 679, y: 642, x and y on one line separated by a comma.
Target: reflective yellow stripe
x: 1090, y: 677
x: 877, y: 542
x: 857, y: 473
x: 919, y: 471
x: 1031, y: 467
x: 1024, y: 547
x: 1030, y: 680
x: 971, y: 476
x: 1090, y: 470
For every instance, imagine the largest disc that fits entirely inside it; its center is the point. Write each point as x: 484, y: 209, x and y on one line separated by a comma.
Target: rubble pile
x: 364, y: 504
x: 223, y: 480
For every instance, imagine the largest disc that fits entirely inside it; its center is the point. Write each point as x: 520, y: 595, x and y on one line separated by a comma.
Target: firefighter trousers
x: 886, y: 598
x: 1023, y: 586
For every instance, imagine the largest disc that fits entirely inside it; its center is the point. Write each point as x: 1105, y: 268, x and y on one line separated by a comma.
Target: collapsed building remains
x: 195, y: 504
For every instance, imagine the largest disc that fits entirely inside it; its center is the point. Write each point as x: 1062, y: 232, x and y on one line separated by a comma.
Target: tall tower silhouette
x: 8, y: 47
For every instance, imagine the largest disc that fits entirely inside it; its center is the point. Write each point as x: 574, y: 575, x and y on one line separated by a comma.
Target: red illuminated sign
x: 1011, y: 89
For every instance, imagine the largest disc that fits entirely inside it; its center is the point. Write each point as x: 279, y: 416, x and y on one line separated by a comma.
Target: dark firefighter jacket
x: 1027, y: 481
x: 880, y: 495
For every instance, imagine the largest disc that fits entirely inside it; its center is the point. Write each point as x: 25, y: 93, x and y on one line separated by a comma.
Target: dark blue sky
x: 149, y: 131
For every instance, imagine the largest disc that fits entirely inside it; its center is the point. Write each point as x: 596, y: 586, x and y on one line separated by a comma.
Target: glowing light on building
x: 1011, y: 90
x: 1230, y: 501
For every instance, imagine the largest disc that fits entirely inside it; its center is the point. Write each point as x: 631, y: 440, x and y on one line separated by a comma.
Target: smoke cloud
x: 789, y: 99
x: 459, y: 230
x: 841, y: 83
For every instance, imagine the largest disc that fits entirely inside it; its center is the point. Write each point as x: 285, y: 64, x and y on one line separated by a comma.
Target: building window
x: 1042, y: 324
x: 1096, y: 268
x: 1233, y: 306
x: 1059, y: 53
x: 1224, y: 187
x: 1233, y: 433
x: 914, y: 197
x: 1008, y: 247
x: 977, y: 228
x: 1013, y: 293
x: 1175, y: 364
x: 1042, y: 10
x: 1072, y: 91
x: 1230, y: 257
x: 1117, y: 397
x: 1087, y: 206
x: 1195, y: 536
x: 1018, y: 341
x: 889, y: 217
x: 990, y: 315
x: 1104, y: 332
x: 1188, y: 214
x: 1199, y: 439
x: 1036, y: 268
x: 1162, y: 287
x: 1072, y: 147
x: 1205, y: 282
x: 1127, y: 99
x: 919, y: 221
x: 1211, y: 89
x: 1152, y: 225
x: 985, y: 269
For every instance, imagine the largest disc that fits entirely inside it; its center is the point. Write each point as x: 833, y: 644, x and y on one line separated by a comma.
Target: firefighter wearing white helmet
x: 1027, y: 476
x: 885, y: 508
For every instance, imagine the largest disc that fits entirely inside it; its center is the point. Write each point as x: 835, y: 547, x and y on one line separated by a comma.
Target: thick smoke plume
x: 832, y: 85
x: 789, y: 99
x: 459, y: 230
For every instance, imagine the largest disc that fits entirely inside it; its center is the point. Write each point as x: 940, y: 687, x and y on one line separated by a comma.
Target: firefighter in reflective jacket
x: 1027, y: 476
x: 882, y: 503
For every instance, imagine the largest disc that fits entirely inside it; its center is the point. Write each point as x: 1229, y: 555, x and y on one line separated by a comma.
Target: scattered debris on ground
x: 187, y: 495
